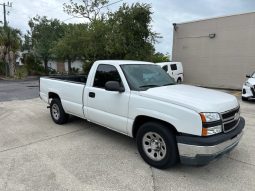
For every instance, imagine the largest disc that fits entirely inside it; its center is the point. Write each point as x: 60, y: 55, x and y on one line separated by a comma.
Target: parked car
x: 174, y: 69
x: 139, y: 99
x: 248, y: 92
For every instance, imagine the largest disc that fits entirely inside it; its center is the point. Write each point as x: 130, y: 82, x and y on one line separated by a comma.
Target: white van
x: 174, y: 69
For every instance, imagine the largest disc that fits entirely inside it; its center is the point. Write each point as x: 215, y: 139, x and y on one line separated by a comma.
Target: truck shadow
x: 215, y: 168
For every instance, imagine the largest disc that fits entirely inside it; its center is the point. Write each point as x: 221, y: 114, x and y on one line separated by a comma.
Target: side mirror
x: 248, y: 76
x: 114, y: 86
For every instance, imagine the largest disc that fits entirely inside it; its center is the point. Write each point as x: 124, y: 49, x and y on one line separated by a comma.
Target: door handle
x: 92, y: 94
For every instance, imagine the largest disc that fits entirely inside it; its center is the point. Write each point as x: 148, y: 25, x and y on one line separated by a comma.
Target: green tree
x: 160, y: 57
x: 73, y: 45
x: 44, y: 33
x: 123, y: 34
x: 131, y: 35
x: 88, y: 9
x: 10, y: 41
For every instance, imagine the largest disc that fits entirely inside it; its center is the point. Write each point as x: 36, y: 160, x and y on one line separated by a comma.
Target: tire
x: 154, y: 137
x: 57, y: 112
x: 244, y: 98
x: 179, y: 81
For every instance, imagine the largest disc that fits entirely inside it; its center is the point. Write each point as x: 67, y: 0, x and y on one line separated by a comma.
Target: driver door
x: 107, y: 108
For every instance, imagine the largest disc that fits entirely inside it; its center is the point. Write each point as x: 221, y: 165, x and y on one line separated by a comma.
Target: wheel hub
x: 55, y: 111
x: 154, y: 146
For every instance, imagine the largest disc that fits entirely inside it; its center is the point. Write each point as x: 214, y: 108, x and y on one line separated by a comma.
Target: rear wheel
x: 57, y: 112
x: 179, y: 81
x: 157, y: 145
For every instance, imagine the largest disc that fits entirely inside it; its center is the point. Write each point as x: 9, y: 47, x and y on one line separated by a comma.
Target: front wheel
x: 57, y: 112
x: 244, y: 98
x: 157, y: 145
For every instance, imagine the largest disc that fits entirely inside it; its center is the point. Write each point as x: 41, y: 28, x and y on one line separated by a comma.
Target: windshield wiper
x: 168, y: 84
x: 149, y: 86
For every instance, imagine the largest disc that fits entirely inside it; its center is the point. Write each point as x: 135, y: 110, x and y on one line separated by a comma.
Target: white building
x: 216, y: 52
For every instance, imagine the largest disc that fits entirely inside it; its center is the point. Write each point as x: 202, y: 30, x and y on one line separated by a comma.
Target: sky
x: 165, y: 12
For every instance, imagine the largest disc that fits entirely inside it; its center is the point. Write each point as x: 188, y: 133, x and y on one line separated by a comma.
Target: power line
x: 100, y: 8
x: 111, y: 4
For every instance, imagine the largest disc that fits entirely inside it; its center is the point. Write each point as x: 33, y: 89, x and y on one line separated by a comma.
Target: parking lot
x: 37, y: 154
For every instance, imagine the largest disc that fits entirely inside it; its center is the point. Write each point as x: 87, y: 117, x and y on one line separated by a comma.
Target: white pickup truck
x: 170, y: 122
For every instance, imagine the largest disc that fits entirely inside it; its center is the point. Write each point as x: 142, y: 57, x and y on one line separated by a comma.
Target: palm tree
x: 10, y: 41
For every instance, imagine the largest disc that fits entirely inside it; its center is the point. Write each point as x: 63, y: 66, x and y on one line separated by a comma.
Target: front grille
x: 229, y: 126
x: 230, y: 119
x: 253, y: 91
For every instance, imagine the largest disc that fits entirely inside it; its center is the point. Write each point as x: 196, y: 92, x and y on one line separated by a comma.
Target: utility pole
x: 4, y: 7
x: 5, y: 28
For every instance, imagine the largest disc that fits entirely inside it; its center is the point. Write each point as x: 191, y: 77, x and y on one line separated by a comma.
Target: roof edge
x: 216, y: 17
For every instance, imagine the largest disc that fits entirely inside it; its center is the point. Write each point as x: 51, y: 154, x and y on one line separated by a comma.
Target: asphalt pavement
x: 19, y: 89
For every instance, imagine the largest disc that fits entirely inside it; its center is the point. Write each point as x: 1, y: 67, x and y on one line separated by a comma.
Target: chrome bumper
x: 192, y: 151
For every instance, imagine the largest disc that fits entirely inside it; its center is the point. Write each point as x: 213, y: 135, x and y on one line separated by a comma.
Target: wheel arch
x: 142, y: 119
x: 53, y: 95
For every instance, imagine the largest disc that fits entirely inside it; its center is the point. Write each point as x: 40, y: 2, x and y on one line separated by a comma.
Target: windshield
x: 141, y: 77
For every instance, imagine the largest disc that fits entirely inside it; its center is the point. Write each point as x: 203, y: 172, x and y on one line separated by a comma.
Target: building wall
x: 63, y: 67
x: 220, y: 62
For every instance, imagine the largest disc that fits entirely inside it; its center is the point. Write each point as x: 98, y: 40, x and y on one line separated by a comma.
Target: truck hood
x: 192, y: 97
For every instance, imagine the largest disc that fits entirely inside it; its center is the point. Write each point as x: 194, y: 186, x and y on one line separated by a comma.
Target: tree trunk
x: 46, y: 65
x: 3, y: 58
x: 69, y: 62
x: 12, y: 63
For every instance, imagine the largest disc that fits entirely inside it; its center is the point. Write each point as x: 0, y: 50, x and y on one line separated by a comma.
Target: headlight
x: 212, y: 123
x: 248, y: 84
x: 214, y: 130
x: 209, y: 117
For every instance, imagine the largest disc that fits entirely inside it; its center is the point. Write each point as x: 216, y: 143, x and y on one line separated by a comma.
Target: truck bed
x: 74, y: 78
x: 68, y: 88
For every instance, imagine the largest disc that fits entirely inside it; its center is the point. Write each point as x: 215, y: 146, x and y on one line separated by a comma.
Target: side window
x: 165, y: 68
x: 104, y: 74
x: 173, y: 67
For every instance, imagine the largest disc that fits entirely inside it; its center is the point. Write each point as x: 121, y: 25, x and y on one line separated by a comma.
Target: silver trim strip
x: 192, y: 151
x: 230, y: 119
x: 232, y: 127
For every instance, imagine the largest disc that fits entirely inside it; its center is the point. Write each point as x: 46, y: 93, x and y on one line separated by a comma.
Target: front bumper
x: 248, y: 92
x: 195, y: 150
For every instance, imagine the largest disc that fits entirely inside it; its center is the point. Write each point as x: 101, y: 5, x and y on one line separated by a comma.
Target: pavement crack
x: 153, y: 179
x: 240, y: 161
x: 41, y: 140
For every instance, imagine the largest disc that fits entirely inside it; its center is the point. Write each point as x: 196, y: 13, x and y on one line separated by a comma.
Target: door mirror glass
x: 248, y: 76
x: 114, y: 86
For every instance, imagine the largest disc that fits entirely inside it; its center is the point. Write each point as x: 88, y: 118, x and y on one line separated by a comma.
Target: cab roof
x: 122, y: 62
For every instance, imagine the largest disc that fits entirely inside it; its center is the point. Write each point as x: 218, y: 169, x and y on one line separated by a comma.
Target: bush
x: 160, y: 57
x: 33, y: 65
x: 51, y: 71
x: 2, y: 68
x: 21, y: 72
x: 74, y: 70
x: 86, y: 66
